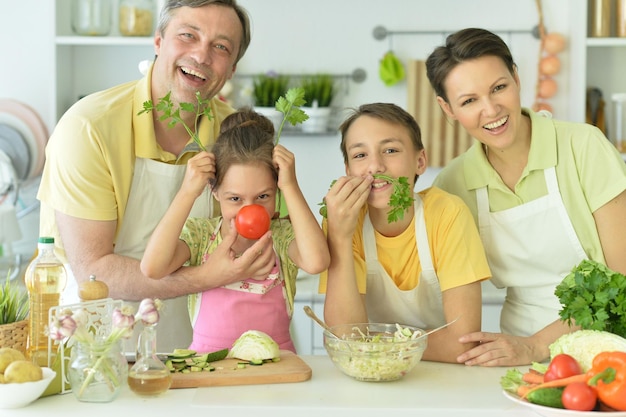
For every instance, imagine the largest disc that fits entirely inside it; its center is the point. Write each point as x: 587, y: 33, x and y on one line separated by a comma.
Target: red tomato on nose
x: 252, y: 221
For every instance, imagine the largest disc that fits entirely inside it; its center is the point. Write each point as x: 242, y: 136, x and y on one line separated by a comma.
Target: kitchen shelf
x: 606, y: 42
x: 105, y: 40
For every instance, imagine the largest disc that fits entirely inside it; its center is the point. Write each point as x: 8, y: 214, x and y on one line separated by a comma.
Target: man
x: 111, y: 173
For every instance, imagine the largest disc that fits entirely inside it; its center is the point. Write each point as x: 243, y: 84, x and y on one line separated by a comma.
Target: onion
x: 547, y: 88
x: 549, y: 65
x: 542, y: 105
x: 553, y: 43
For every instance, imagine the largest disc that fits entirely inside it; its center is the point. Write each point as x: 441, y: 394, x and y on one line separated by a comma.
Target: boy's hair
x: 242, y: 14
x: 246, y: 137
x: 383, y: 111
x: 464, y: 45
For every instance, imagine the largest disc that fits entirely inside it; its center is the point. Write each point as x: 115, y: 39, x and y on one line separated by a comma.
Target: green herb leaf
x: 400, y: 201
x: 593, y: 297
x: 13, y: 302
x: 289, y: 105
x: 165, y: 106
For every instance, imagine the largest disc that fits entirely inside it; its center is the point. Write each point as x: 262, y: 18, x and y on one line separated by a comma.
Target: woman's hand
x: 497, y: 349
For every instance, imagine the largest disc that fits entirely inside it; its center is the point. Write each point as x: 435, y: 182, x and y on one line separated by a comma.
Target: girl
x: 249, y: 169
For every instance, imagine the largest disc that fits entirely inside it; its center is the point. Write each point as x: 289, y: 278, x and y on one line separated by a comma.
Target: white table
x: 430, y: 390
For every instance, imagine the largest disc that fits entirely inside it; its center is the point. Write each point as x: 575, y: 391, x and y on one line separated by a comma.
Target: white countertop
x: 431, y: 389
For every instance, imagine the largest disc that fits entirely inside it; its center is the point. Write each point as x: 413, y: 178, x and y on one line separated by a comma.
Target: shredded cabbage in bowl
x: 373, y: 351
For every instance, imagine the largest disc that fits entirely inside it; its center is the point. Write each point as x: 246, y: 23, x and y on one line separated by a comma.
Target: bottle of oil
x: 45, y: 280
x: 148, y: 377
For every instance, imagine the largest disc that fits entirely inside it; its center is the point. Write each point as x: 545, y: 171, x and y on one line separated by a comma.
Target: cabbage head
x: 254, y: 346
x: 584, y: 345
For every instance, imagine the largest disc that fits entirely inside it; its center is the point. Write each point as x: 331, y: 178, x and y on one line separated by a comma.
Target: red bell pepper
x: 609, y: 370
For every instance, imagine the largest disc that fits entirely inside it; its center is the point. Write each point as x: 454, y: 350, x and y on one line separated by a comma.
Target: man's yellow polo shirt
x: 90, y: 157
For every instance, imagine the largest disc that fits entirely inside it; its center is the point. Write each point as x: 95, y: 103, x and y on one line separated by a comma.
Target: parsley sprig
x: 168, y: 111
x: 594, y: 297
x: 400, y: 201
x: 289, y: 105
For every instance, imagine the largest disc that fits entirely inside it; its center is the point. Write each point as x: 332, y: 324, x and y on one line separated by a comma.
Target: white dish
x: 17, y: 395
x: 29, y: 137
x: 560, y: 412
x: 37, y: 127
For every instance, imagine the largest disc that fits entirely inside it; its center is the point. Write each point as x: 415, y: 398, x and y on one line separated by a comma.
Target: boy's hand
x: 344, y: 201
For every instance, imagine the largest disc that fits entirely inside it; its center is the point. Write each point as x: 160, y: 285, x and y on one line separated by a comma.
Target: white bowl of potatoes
x: 21, y: 381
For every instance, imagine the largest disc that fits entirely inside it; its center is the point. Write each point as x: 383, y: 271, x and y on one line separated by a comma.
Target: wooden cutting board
x: 290, y: 368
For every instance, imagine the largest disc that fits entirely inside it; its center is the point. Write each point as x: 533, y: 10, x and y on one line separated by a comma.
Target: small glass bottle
x: 45, y: 280
x: 136, y: 17
x: 149, y: 376
x: 91, y: 17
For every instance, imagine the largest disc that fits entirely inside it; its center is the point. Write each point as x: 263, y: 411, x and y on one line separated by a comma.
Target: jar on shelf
x: 91, y: 17
x: 136, y: 17
x: 600, y: 18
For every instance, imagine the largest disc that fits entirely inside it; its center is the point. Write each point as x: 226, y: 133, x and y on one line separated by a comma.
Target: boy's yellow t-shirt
x: 455, y: 246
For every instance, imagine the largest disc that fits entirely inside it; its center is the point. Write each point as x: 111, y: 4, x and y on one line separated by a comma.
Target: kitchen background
x: 48, y: 68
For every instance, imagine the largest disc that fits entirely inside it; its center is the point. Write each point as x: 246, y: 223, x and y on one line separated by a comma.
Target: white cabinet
x: 595, y: 62
x: 85, y: 64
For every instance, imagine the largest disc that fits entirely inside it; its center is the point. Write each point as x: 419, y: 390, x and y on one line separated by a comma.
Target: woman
x: 545, y: 194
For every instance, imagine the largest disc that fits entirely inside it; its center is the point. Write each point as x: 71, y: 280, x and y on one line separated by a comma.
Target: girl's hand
x: 200, y: 171
x: 344, y: 201
x: 285, y: 161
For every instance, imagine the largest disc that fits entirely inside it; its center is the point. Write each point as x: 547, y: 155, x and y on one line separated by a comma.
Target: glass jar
x: 136, y: 17
x: 91, y: 17
x: 148, y: 377
x: 600, y: 18
x: 97, y: 371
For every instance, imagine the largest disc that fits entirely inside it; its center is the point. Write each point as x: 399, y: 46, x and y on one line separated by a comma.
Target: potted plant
x: 266, y: 90
x: 319, y: 91
x: 14, y: 308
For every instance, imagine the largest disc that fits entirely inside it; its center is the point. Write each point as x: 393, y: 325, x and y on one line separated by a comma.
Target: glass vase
x: 148, y: 377
x: 97, y: 371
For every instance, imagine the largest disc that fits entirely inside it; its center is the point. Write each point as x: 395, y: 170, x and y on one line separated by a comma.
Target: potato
x: 22, y: 371
x: 8, y: 355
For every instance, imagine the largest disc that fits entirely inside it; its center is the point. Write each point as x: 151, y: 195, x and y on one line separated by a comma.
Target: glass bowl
x: 375, y: 351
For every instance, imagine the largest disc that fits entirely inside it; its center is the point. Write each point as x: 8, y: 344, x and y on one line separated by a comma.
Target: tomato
x: 562, y: 366
x: 252, y: 221
x: 579, y: 396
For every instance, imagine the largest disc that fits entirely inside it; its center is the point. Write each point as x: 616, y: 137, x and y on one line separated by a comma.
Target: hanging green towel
x: 391, y: 70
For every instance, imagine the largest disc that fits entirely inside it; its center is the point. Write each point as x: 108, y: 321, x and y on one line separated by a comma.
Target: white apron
x: 421, y: 306
x: 153, y: 188
x: 530, y: 249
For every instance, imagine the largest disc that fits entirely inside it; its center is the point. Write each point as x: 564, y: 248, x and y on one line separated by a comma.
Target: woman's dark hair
x: 246, y: 137
x: 464, y: 45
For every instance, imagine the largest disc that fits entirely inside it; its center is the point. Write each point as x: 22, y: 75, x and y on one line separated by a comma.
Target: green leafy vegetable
x: 168, y: 111
x: 13, y: 302
x: 584, y: 345
x: 254, y: 346
x: 594, y: 297
x: 400, y: 201
x: 289, y: 105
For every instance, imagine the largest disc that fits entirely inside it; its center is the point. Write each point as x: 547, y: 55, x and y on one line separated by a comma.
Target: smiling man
x: 110, y: 173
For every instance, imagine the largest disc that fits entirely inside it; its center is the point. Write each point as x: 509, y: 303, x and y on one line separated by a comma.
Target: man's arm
x: 89, y: 249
